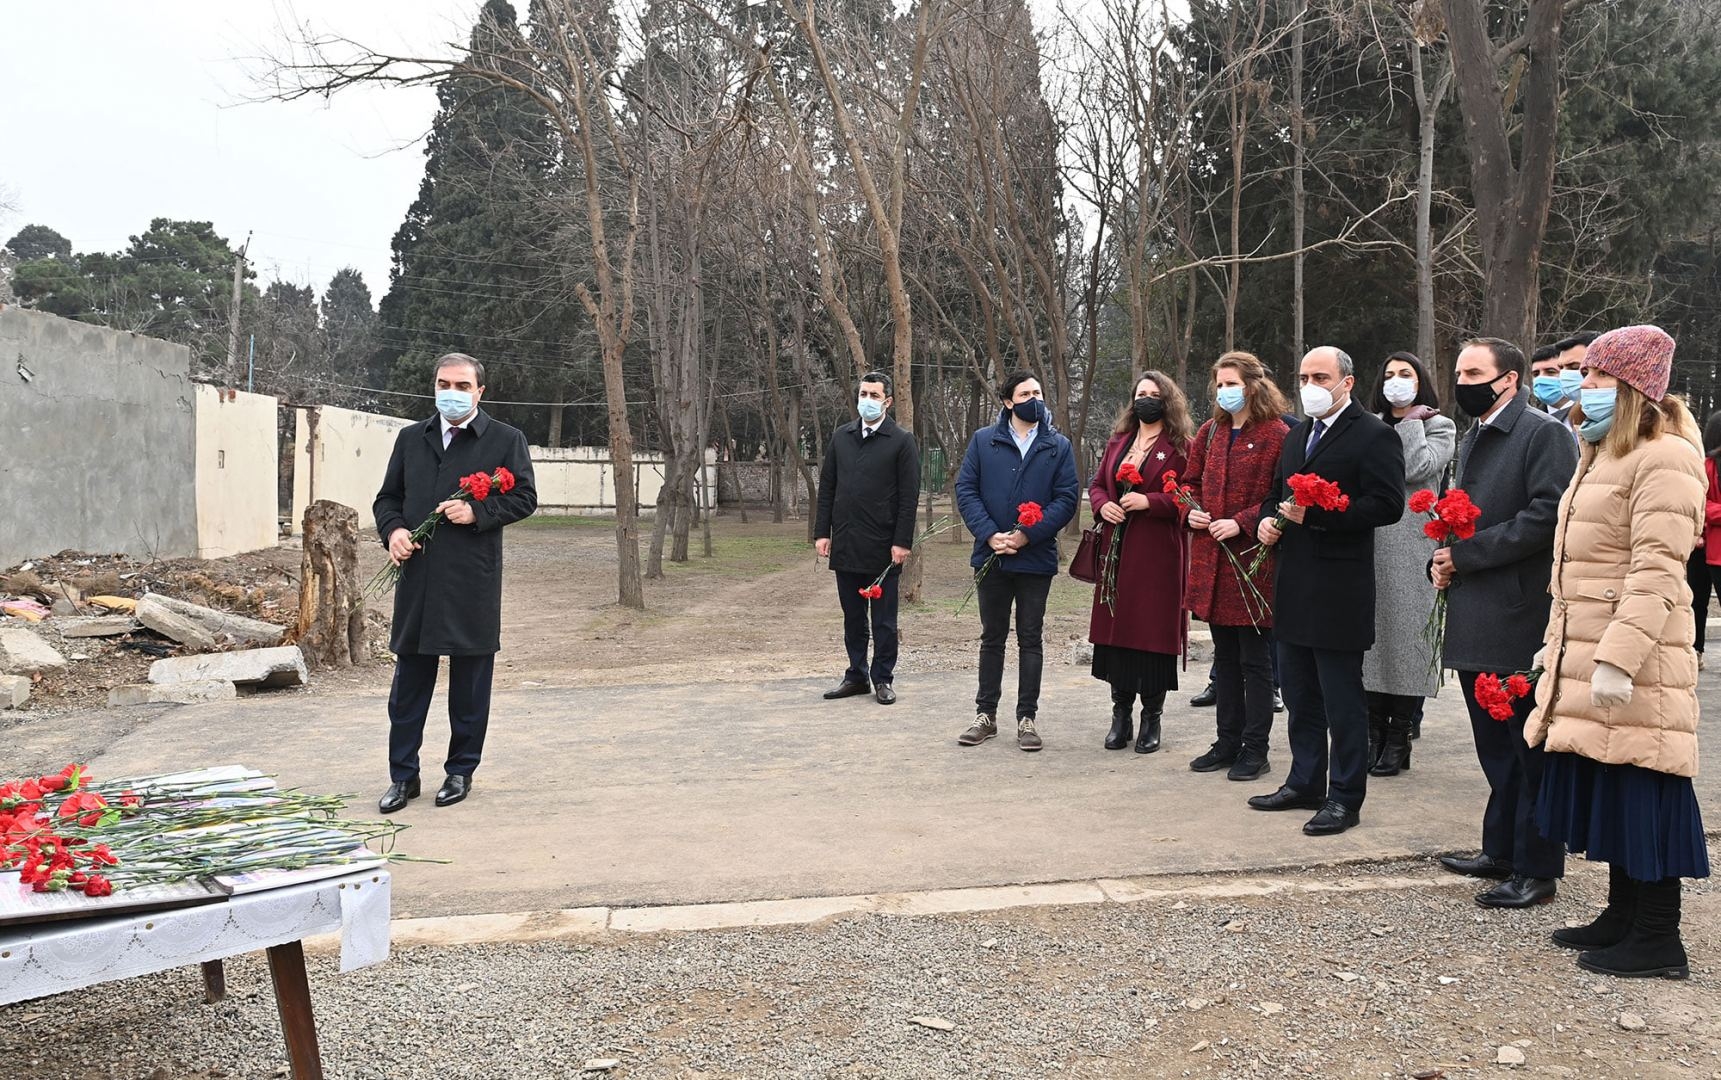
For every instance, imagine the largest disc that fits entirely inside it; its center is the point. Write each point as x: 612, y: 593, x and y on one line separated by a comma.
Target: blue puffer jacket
x: 996, y: 479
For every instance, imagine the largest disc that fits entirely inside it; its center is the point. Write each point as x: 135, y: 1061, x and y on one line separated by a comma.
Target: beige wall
x: 581, y: 480
x: 352, y: 455
x: 238, y: 464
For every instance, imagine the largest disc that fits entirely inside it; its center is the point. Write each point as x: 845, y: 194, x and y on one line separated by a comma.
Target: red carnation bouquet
x: 474, y: 488
x: 1128, y: 479
x: 875, y: 591
x: 1499, y: 696
x: 1307, y: 489
x: 1451, y: 518
x: 1028, y: 515
x: 1253, y: 599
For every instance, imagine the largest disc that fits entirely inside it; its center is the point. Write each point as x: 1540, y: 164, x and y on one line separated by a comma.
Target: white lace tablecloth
x: 52, y: 958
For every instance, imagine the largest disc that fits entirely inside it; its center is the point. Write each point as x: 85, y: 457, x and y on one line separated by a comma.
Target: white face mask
x: 1399, y: 392
x: 1317, y: 400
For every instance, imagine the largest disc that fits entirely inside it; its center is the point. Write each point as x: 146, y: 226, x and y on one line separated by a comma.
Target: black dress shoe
x: 453, y: 790
x: 848, y: 689
x: 1332, y: 819
x: 1482, y: 866
x: 1288, y: 798
x: 884, y: 694
x: 1519, y: 892
x: 1206, y: 699
x: 397, y: 795
x: 1278, y: 700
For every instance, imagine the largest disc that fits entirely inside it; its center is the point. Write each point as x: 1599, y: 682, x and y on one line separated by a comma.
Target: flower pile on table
x: 68, y: 832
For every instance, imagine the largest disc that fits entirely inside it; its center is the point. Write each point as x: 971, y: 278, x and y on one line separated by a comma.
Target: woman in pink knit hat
x: 1617, y: 704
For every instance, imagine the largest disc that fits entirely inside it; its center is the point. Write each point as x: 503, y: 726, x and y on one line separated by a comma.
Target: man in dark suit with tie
x: 1323, y: 593
x: 448, y: 601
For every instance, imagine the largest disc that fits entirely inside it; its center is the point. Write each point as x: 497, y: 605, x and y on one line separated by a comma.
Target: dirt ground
x: 759, y: 607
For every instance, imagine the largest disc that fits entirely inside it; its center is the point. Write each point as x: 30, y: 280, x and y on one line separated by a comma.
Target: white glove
x: 1540, y: 657
x: 1609, y: 686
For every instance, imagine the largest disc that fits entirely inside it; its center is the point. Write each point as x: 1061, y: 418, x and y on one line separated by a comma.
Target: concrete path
x: 676, y: 795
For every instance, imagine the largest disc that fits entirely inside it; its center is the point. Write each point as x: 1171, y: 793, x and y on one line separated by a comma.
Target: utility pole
x: 232, y: 372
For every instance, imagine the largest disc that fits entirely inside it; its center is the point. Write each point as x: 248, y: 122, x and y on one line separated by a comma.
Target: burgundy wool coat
x: 1230, y: 479
x: 1153, y: 566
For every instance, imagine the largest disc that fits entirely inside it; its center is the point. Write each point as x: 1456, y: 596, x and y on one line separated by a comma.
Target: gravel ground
x: 1360, y: 984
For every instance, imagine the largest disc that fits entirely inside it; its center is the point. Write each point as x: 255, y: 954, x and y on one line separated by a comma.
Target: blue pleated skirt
x: 1643, y: 821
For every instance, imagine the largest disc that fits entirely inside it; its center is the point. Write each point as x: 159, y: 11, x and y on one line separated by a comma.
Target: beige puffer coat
x: 1626, y: 528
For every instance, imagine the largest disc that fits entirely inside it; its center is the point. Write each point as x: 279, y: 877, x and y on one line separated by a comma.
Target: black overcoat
x: 449, y: 598
x: 869, y: 490
x: 1323, y: 589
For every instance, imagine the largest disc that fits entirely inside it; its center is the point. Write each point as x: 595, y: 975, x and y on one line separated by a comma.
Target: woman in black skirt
x: 1617, y: 704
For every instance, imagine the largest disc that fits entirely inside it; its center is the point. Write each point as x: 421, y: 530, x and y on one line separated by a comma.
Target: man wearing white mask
x: 448, y: 601
x: 869, y: 488
x: 1324, y: 590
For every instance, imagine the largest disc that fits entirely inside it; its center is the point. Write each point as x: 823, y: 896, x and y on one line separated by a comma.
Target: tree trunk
x: 1429, y: 105
x: 1298, y: 203
x: 331, y: 630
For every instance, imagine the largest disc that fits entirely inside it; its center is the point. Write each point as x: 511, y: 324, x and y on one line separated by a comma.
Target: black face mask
x: 1476, y: 398
x: 1031, y: 411
x: 1149, y: 410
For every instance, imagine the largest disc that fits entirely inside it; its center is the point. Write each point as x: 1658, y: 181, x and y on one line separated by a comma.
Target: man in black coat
x: 869, y: 487
x: 1323, y: 593
x: 1515, y: 464
x: 448, y: 601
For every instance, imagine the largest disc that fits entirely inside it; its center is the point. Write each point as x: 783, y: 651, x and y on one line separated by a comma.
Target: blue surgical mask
x: 1031, y: 411
x: 454, y: 405
x: 1549, y: 389
x: 1598, y: 405
x: 870, y: 410
x: 1230, y: 398
x: 1570, y: 383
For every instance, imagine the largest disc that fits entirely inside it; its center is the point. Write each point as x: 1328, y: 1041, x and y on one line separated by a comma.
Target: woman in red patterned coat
x: 1139, y: 636
x: 1231, y: 466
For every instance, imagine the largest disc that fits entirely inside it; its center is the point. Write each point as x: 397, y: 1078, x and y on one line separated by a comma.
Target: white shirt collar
x: 869, y: 430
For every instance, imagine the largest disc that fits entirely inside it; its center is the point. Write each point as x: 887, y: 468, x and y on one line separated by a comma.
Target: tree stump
x: 331, y: 629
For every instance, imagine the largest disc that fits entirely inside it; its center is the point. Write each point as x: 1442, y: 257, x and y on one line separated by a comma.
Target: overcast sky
x: 117, y: 112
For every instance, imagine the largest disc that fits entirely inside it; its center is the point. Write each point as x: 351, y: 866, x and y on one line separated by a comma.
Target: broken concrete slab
x: 267, y: 668
x: 22, y: 652
x: 185, y: 693
x: 14, y: 691
x: 99, y: 626
x: 172, y: 625
x: 222, y: 626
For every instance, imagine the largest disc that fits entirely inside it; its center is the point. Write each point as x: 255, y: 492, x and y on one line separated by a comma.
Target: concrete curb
x: 596, y: 922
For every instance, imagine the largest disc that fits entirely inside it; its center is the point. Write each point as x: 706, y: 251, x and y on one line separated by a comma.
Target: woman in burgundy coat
x: 1136, y: 648
x: 1232, y: 462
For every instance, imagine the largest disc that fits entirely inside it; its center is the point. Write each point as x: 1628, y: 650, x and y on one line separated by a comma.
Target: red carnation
x: 1493, y: 697
x: 1127, y: 473
x: 97, y: 885
x: 504, y: 481
x: 477, y: 485
x: 1518, y: 686
x: 1422, y: 502
x: 1029, y: 514
x: 1435, y: 531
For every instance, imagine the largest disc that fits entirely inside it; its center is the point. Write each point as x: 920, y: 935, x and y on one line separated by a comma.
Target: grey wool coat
x: 1515, y: 469
x: 1402, y: 660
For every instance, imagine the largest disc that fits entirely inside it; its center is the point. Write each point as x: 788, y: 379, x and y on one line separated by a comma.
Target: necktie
x: 1315, y: 437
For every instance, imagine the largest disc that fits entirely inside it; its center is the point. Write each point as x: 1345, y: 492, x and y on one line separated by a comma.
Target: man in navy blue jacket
x: 1020, y: 459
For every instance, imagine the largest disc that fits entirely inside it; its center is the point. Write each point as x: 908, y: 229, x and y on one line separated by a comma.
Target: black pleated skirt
x: 1146, y: 673
x: 1645, y: 822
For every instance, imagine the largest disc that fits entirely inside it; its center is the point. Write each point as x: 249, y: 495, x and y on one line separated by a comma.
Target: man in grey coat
x: 1515, y: 463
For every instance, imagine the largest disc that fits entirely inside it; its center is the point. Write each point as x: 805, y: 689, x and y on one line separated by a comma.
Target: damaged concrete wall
x: 351, y: 455
x: 97, y: 441
x: 238, y: 464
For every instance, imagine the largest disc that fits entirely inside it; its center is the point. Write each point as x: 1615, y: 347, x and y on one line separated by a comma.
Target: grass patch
x: 565, y: 521
x: 740, y: 557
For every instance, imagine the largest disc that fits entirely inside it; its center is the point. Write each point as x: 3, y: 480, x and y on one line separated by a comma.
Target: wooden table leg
x: 214, y: 981
x: 293, y: 1000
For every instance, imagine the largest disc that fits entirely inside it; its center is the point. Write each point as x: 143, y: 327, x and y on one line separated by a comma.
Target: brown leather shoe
x: 1026, y: 737
x: 985, y: 727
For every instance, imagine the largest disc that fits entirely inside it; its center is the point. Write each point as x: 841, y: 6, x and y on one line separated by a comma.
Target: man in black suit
x: 448, y: 601
x: 869, y: 487
x: 1323, y: 592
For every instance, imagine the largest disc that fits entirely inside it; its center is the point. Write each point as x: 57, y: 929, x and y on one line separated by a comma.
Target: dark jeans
x: 1323, y: 691
x: 855, y: 630
x: 468, y: 711
x: 1514, y: 772
x: 1704, y: 580
x: 996, y: 593
x: 1272, y: 656
x: 1243, y: 683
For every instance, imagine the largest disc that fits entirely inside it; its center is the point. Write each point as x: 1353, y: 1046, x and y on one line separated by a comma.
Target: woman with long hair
x: 1400, y: 672
x: 1231, y: 467
x: 1703, y: 573
x: 1616, y: 706
x: 1138, y: 636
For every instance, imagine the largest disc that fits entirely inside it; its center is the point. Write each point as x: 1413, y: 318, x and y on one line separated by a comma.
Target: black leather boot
x: 1611, y: 925
x: 1378, y: 710
x: 1151, y: 710
x: 1651, y: 948
x: 1395, y: 752
x: 1122, y: 719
